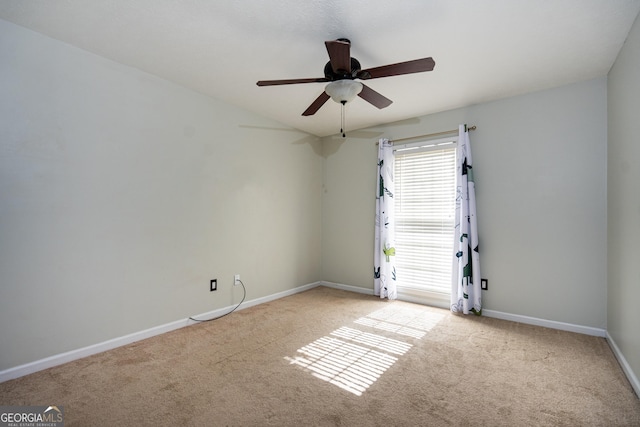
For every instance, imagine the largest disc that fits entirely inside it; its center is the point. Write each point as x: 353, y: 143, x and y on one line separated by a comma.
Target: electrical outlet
x: 484, y: 284
x: 236, y: 280
x: 214, y: 285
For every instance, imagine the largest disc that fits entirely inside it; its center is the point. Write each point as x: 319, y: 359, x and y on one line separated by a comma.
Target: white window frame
x: 432, y: 297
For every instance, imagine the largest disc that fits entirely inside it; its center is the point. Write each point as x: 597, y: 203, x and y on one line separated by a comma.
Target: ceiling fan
x: 341, y: 72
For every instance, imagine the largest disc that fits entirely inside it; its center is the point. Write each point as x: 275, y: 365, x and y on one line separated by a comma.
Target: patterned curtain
x: 384, y: 265
x: 465, y: 286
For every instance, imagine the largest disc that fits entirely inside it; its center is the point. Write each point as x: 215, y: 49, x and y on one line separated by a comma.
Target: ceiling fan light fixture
x: 342, y: 91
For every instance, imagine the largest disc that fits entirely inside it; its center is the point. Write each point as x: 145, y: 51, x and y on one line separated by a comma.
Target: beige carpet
x: 333, y: 358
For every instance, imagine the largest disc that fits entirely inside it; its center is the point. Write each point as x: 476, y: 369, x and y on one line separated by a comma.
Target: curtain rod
x: 429, y: 135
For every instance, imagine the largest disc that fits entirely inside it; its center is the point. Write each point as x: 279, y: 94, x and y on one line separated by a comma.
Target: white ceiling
x: 483, y: 49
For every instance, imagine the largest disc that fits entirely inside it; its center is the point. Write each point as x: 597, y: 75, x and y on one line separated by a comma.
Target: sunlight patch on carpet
x: 349, y: 366
x: 353, y: 359
x: 402, y: 320
x: 382, y: 343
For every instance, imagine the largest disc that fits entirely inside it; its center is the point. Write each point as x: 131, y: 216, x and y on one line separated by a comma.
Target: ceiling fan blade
x: 408, y: 67
x: 315, y: 105
x: 291, y: 81
x: 374, y: 98
x: 339, y: 56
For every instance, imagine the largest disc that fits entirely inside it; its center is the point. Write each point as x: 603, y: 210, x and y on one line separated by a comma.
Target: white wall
x: 623, y: 179
x: 540, y: 172
x: 122, y: 194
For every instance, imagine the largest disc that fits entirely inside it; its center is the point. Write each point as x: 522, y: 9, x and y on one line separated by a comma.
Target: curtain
x: 384, y: 266
x: 465, y: 285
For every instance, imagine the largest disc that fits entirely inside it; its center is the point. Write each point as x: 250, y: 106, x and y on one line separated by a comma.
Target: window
x: 425, y: 192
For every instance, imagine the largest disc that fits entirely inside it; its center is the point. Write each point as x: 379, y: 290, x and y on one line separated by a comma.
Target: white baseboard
x: 349, y: 288
x: 59, y: 359
x: 69, y: 356
x: 220, y: 311
x: 279, y: 295
x: 631, y: 376
x: 587, y: 330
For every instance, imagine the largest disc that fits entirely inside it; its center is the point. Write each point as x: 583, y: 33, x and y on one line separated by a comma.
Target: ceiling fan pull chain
x: 344, y: 135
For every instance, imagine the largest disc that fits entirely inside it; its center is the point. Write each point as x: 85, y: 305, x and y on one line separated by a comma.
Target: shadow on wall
x: 312, y: 140
x: 336, y: 141
x: 373, y: 133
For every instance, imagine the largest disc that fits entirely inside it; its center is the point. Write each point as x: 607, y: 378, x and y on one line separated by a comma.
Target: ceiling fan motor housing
x: 342, y: 74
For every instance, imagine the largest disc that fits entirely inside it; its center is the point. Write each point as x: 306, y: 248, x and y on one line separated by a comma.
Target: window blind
x: 424, y: 215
